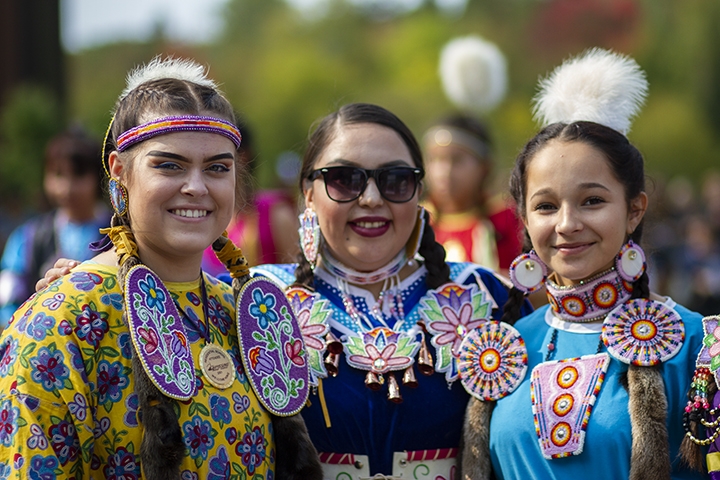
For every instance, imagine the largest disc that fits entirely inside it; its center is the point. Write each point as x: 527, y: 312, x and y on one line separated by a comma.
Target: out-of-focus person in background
x: 471, y: 222
x: 71, y: 183
x: 266, y: 225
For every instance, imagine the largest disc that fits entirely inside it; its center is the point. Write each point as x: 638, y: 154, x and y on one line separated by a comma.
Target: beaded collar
x: 589, y: 300
x: 363, y: 278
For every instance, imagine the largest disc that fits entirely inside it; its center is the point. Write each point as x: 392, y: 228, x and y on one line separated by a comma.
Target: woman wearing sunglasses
x: 383, y: 315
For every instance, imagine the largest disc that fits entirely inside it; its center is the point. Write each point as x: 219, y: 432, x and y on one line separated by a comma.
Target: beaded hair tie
x: 178, y: 123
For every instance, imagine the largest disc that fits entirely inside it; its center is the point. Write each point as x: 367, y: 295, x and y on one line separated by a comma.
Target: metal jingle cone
x: 409, y: 379
x: 425, y: 361
x: 373, y: 381
x: 332, y: 360
x: 332, y: 344
x: 393, y: 389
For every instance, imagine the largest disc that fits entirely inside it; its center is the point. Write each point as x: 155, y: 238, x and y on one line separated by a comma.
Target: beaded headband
x: 178, y: 123
x: 444, y: 135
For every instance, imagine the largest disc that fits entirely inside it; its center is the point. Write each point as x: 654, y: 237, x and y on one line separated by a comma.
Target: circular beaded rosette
x: 643, y: 332
x: 492, y: 361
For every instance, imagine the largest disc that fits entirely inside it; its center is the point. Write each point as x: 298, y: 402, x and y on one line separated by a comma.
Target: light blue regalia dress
x: 514, y: 446
x: 354, y: 425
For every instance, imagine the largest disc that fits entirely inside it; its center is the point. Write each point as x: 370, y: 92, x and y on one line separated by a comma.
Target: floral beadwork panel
x: 67, y: 403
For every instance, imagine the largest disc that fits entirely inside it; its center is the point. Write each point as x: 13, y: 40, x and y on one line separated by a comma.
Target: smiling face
x: 180, y: 194
x: 367, y: 233
x: 576, y: 212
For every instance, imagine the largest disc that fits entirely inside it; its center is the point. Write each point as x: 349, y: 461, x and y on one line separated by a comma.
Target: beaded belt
x: 439, y: 464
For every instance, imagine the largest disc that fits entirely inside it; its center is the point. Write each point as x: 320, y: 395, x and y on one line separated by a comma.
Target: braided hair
x: 328, y: 127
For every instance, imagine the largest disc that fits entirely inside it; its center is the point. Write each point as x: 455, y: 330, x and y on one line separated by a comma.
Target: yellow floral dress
x: 67, y: 403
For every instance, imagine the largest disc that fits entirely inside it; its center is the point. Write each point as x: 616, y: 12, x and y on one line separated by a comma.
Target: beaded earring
x: 118, y: 196
x: 630, y: 262
x: 528, y: 273
x: 309, y: 235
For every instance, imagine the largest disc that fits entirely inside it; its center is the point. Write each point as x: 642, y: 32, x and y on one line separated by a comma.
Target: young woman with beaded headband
x: 136, y: 365
x: 607, y: 360
x: 382, y: 327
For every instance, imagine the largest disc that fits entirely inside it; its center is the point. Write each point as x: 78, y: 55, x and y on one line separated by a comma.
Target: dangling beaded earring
x: 118, y: 196
x: 309, y: 235
x: 413, y: 244
x: 630, y: 262
x: 528, y: 272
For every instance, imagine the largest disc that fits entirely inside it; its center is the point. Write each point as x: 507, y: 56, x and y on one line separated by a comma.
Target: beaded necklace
x: 590, y: 300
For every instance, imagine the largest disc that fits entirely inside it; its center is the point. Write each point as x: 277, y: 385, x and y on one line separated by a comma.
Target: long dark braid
x: 304, y: 274
x: 434, y: 255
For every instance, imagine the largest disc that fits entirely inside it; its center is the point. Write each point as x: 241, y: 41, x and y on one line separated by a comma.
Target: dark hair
x: 358, y: 113
x: 78, y: 147
x: 625, y: 161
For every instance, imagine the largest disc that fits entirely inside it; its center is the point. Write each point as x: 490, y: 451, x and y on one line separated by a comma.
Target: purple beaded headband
x: 178, y: 123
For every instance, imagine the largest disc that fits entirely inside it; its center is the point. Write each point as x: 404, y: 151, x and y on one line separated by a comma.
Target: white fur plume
x: 157, y: 68
x: 598, y: 86
x: 473, y: 73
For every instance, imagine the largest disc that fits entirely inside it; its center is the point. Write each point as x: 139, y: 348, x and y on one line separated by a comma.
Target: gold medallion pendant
x: 217, y: 366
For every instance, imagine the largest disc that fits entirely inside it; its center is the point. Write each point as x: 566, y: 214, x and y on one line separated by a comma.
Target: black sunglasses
x: 345, y: 184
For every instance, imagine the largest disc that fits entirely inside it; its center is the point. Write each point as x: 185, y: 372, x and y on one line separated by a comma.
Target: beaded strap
x: 124, y: 241
x: 232, y: 257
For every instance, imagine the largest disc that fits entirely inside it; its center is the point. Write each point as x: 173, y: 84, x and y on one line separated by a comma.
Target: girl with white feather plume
x: 592, y: 385
x: 469, y: 221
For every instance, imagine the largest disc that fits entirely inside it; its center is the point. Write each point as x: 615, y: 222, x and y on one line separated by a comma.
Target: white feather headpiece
x: 157, y: 68
x: 598, y: 86
x: 473, y: 73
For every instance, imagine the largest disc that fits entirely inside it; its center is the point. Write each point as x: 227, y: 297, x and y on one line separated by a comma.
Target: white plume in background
x: 473, y: 73
x: 157, y: 68
x: 598, y: 86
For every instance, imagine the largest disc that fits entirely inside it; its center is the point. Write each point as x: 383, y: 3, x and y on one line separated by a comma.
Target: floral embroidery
x: 43, y: 468
x: 39, y: 326
x: 154, y: 297
x: 85, y: 281
x: 64, y: 441
x: 198, y: 437
x: 252, y: 449
x: 48, y: 369
x: 122, y: 466
x: 91, y: 325
x: 262, y: 308
x: 220, y: 409
x: 71, y: 342
x: 8, y: 422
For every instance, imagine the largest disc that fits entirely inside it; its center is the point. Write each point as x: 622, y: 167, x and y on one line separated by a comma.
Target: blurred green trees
x: 283, y: 69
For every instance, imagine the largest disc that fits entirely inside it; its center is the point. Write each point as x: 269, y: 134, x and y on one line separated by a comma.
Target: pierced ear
x: 308, y: 193
x: 636, y: 212
x: 115, y: 165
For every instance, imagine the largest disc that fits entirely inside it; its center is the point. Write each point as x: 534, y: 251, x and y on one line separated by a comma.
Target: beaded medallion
x: 563, y: 393
x: 450, y: 313
x: 272, y: 347
x: 158, y: 334
x: 381, y: 350
x: 643, y: 332
x: 492, y: 361
x: 313, y: 316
